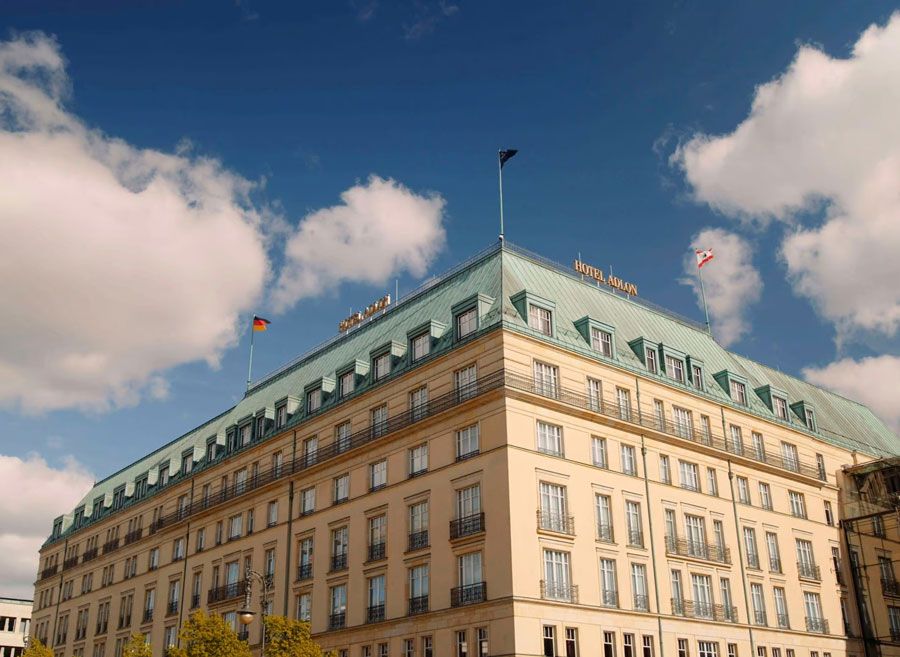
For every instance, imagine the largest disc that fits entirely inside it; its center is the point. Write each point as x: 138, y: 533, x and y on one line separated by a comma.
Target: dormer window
x: 118, y: 498
x: 140, y: 487
x: 810, y: 419
x: 245, y: 434
x: 466, y: 323
x: 260, y: 426
x: 163, y: 476
x: 421, y: 346
x: 280, y: 416
x: 346, y: 383
x: 652, y: 365
x: 602, y: 341
x: 675, y: 368
x: 697, y: 376
x: 540, y: 319
x: 187, y: 463
x: 381, y: 366
x: 738, y: 392
x: 211, y: 451
x: 780, y: 406
x: 97, y: 508
x: 313, y: 400
x: 57, y: 527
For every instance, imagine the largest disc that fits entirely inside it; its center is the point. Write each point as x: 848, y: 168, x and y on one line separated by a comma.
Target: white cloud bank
x: 824, y: 133
x: 874, y: 380
x: 120, y: 262
x: 731, y: 282
x: 380, y: 228
x: 50, y: 492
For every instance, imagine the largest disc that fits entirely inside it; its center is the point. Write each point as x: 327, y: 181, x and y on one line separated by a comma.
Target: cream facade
x: 15, y: 622
x: 512, y: 461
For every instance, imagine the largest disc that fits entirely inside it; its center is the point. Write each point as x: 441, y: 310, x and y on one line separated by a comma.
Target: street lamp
x: 246, y: 614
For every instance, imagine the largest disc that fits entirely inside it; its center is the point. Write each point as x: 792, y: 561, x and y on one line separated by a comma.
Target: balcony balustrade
x: 697, y: 549
x: 467, y: 525
x: 563, y: 591
x: 468, y: 594
x: 549, y: 521
x: 706, y: 610
x: 377, y: 551
x: 375, y: 613
x: 807, y: 570
x: 418, y: 605
x: 817, y: 625
x: 418, y: 540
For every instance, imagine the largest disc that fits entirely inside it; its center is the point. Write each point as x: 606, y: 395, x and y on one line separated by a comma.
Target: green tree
x: 208, y: 636
x: 137, y: 646
x: 37, y: 649
x: 290, y: 638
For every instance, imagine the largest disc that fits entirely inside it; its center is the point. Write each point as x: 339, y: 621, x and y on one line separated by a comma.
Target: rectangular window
x: 697, y: 376
x: 789, y: 457
x: 707, y: 649
x: 629, y: 460
x: 780, y: 407
x: 690, y: 475
x: 466, y: 382
x: 765, y: 496
x: 705, y: 430
x: 659, y: 414
x: 595, y: 394
x: 604, y: 518
x: 540, y: 319
x: 798, y: 504
x: 675, y: 368
x: 759, y: 446
x: 623, y: 399
x: 549, y: 641
x: 652, y: 365
x: 554, y: 513
x: 810, y: 419
x: 634, y: 524
x: 418, y: 460
x: 736, y: 443
x: 743, y: 490
x: 598, y: 452
x: 712, y: 482
x: 418, y: 403
x: 609, y: 644
x: 684, y: 422
x: 421, y: 346
x: 609, y: 588
x: 758, y: 603
x: 750, y: 548
x: 602, y: 341
x: 481, y: 634
x: 235, y: 527
x: 628, y: 644
x: 378, y: 474
x: 313, y: 400
x: 468, y: 501
x: 774, y: 552
x: 557, y: 576
x: 381, y: 366
x: 738, y: 392
x: 466, y: 323
x: 280, y: 416
x: 546, y: 379
x: 272, y: 514
x: 467, y: 442
x: 665, y: 471
x: 829, y: 513
x: 571, y: 642
x: 462, y: 648
x: 341, y: 487
x: 549, y: 439
x: 641, y: 601
x: 781, y: 611
x: 379, y: 417
x: 307, y: 501
x: 683, y: 650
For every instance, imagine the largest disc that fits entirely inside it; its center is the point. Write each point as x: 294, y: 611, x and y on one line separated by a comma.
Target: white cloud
x: 49, y: 492
x: 118, y: 262
x: 873, y: 381
x: 379, y: 229
x: 731, y: 281
x: 822, y: 138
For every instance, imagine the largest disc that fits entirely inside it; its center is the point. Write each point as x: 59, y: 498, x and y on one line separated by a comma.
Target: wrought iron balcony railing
x: 808, y: 570
x: 890, y: 587
x: 418, y: 605
x: 609, y: 598
x: 89, y: 555
x: 49, y: 571
x: 605, y: 533
x: 172, y: 608
x: 375, y: 613
x: 782, y: 620
x: 110, y: 546
x: 71, y: 562
x: 337, y: 620
x: 774, y: 565
x: 467, y: 525
x: 760, y: 618
x: 148, y: 616
x: 338, y: 562
x: 564, y: 591
x: 556, y: 522
x: 692, y: 609
x: 304, y: 571
x: 697, y: 549
x: 468, y: 594
x: 418, y: 540
x: 133, y: 536
x: 753, y: 560
x: 635, y: 538
x: 226, y: 592
x: 195, y: 600
x: 816, y: 624
x: 641, y: 603
x: 377, y: 551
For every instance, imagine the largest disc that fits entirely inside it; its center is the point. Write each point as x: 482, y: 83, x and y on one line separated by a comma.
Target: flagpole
x: 500, y: 171
x: 250, y: 366
x: 703, y: 296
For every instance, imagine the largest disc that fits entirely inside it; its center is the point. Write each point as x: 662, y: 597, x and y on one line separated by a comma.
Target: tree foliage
x: 290, y: 638
x: 205, y: 635
x: 137, y: 646
x: 37, y: 649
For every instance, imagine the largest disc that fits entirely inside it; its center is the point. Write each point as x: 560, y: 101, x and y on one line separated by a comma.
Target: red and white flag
x: 703, y: 256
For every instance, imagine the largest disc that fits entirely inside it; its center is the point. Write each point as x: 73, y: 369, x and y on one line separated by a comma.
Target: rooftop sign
x: 360, y: 316
x: 612, y: 281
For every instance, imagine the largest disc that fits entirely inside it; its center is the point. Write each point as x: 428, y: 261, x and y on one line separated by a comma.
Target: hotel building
x: 15, y: 619
x: 514, y: 460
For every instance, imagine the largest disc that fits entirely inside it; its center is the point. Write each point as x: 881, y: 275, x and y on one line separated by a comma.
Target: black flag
x: 506, y: 155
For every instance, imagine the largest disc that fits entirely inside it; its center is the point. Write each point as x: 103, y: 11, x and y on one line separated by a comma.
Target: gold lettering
x: 612, y: 281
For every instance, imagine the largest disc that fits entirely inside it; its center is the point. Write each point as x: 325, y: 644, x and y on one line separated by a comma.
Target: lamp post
x: 246, y: 614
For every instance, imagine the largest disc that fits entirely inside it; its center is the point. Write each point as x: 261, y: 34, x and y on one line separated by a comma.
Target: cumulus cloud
x: 821, y: 140
x: 379, y: 228
x: 50, y: 492
x: 873, y: 381
x: 731, y: 281
x: 106, y: 248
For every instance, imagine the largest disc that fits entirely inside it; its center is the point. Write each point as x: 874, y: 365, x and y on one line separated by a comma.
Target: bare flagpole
x: 703, y: 296
x: 250, y: 366
x: 500, y: 170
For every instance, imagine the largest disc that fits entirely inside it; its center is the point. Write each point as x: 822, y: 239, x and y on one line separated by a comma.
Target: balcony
x: 226, y: 592
x: 691, y: 609
x: 375, y: 613
x: 468, y: 594
x: 895, y: 634
x: 377, y: 551
x: 467, y: 526
x: 605, y: 533
x: 759, y: 618
x: 49, y: 571
x: 687, y: 548
x: 609, y: 598
x: 418, y: 540
x: 89, y: 555
x: 783, y: 621
x: 172, y: 608
x: 807, y: 570
x: 147, y: 616
x: 337, y: 620
x: 817, y: 625
x: 753, y: 561
x: 111, y: 546
x: 468, y: 455
x: 195, y: 601
x: 243, y: 634
x: 775, y: 565
x: 635, y: 538
x: 418, y: 605
x: 338, y: 562
x: 71, y: 562
x: 890, y: 587
x: 133, y: 536
x: 556, y: 522
x: 641, y: 603
x: 562, y: 591
x: 304, y: 571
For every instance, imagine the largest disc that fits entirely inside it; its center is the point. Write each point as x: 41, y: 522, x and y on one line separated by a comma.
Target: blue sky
x: 314, y: 97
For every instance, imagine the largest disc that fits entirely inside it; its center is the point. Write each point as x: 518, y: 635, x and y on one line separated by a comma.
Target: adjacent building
x: 516, y: 459
x: 15, y: 625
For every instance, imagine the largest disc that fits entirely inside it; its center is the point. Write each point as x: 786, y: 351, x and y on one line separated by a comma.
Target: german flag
x: 260, y: 323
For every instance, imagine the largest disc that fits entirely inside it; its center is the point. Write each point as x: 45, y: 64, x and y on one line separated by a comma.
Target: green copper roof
x: 840, y: 421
